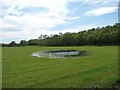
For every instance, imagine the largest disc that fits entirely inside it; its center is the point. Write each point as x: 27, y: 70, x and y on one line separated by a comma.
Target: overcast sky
x: 27, y: 19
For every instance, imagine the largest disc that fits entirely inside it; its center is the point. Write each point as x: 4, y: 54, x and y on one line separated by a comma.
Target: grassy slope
x: 98, y: 69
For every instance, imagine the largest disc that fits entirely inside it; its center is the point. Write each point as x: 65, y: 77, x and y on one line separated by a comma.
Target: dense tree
x: 23, y: 43
x: 108, y: 35
x: 3, y: 45
x: 96, y: 36
x: 12, y: 44
x: 33, y: 42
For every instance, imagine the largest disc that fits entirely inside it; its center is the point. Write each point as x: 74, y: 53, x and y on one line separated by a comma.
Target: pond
x: 58, y: 53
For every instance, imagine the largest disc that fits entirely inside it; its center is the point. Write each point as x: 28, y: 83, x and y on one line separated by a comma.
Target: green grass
x: 98, y: 69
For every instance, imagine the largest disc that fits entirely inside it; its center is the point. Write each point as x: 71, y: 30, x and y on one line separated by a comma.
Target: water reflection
x: 56, y: 54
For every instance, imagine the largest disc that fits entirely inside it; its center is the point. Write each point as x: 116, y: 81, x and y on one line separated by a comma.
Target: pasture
x: 21, y: 70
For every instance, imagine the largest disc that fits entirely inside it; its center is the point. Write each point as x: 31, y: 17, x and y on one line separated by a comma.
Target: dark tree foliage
x: 12, y: 44
x: 96, y: 36
x: 33, y: 42
x: 108, y: 35
x: 23, y: 43
x: 3, y: 45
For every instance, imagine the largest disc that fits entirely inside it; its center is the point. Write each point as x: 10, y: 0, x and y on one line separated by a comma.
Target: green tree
x: 23, y: 43
x: 12, y: 44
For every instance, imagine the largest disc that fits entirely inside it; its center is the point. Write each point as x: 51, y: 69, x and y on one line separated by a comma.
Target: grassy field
x: 98, y: 69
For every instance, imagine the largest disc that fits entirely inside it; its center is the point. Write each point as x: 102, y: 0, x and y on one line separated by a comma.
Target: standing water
x: 57, y: 54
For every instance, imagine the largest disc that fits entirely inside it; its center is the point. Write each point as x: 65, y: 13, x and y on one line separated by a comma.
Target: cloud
x: 78, y: 28
x: 30, y: 17
x: 10, y: 29
x: 93, y: 1
x: 99, y: 1
x: 34, y: 10
x: 28, y: 13
x: 101, y: 11
x: 27, y: 34
x: 26, y: 19
x: 74, y: 18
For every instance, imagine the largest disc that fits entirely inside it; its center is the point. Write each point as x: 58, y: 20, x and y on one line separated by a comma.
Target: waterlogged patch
x: 59, y: 53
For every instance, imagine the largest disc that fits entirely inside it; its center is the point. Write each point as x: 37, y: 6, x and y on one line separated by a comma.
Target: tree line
x: 108, y: 35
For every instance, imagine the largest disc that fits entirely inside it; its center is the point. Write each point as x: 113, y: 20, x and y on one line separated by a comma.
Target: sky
x: 28, y: 19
